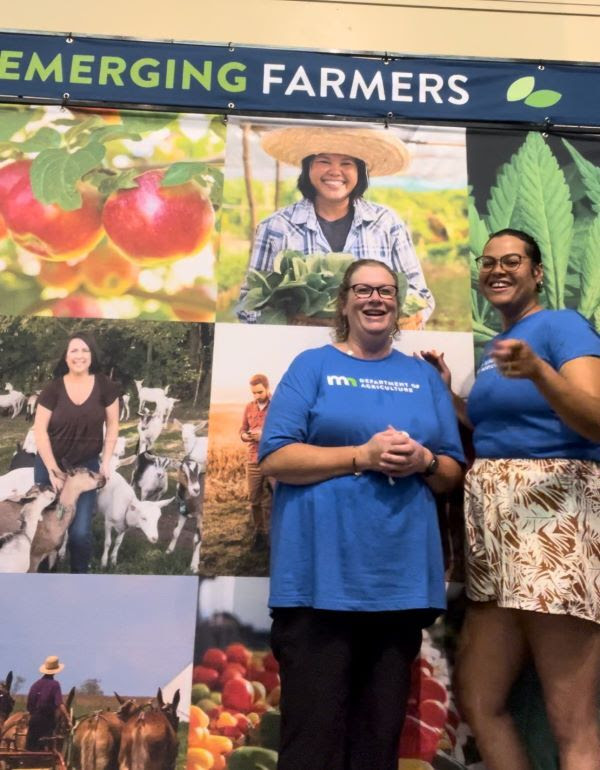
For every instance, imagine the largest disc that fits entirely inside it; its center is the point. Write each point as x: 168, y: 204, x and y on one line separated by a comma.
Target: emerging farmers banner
x: 186, y: 246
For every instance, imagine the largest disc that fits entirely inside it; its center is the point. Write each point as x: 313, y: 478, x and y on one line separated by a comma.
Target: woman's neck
x: 78, y: 376
x: 510, y: 318
x: 331, y: 210
x: 378, y: 347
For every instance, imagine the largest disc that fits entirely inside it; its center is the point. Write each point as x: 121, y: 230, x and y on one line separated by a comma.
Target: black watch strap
x: 432, y: 467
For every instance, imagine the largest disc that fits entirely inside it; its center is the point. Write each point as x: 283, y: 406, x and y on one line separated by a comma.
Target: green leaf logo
x: 520, y: 89
x: 544, y: 98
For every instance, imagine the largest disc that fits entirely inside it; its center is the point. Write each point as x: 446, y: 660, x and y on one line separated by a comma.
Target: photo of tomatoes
x: 109, y: 214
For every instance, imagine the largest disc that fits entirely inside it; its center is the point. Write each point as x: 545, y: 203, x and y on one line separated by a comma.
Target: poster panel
x: 140, y: 524
x: 114, y: 666
x: 276, y: 262
x: 240, y: 353
x: 109, y: 214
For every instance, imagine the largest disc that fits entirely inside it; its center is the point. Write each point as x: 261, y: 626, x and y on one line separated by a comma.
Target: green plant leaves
x: 55, y: 172
x: 520, y: 89
x: 503, y: 199
x: 543, y: 98
x: 13, y: 119
x: 590, y: 175
x: 545, y: 211
x: 589, y: 299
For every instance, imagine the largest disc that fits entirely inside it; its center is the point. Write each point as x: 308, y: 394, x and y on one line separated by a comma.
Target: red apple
x: 205, y: 675
x: 153, y: 224
x: 3, y: 228
x: 270, y: 679
x: 238, y: 694
x: 77, y: 306
x: 10, y: 174
x: 107, y: 273
x: 60, y: 275
x: 47, y: 229
x: 431, y: 689
x: 238, y: 653
x: 232, y: 671
x: 214, y: 658
x: 433, y: 713
x: 270, y: 662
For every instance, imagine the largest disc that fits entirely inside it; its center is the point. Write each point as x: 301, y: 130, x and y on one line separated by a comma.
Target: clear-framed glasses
x: 364, y: 291
x: 508, y: 262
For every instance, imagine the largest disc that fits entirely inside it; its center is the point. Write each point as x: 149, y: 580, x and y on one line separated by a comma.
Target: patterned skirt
x: 533, y: 535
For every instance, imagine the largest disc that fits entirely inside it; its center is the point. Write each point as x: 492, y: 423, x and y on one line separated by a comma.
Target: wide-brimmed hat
x: 383, y: 152
x: 51, y: 665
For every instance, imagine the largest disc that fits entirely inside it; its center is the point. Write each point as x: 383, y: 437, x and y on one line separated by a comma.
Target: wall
x: 520, y: 28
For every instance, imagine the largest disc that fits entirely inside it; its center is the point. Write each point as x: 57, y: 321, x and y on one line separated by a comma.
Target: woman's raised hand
x: 437, y: 361
x: 515, y: 359
x: 57, y: 478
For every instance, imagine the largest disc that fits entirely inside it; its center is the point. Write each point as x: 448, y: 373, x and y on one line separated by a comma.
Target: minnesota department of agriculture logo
x: 341, y: 379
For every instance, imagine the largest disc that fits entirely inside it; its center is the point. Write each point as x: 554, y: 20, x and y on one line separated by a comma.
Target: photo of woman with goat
x: 117, y: 451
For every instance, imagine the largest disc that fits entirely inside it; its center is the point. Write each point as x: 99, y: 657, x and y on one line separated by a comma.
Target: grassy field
x: 227, y: 530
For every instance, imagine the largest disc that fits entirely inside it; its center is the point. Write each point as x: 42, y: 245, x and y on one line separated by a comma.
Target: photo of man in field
x: 260, y: 488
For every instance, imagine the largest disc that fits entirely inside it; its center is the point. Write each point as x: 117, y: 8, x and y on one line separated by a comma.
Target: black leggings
x: 345, y: 680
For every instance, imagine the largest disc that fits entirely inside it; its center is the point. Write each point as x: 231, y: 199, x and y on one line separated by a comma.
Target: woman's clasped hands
x: 394, y: 453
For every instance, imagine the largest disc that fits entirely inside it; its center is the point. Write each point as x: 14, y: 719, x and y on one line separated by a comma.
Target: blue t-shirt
x: 357, y: 542
x: 510, y: 417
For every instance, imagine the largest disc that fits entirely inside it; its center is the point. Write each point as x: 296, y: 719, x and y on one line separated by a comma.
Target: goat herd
x: 138, y: 736
x: 34, y: 522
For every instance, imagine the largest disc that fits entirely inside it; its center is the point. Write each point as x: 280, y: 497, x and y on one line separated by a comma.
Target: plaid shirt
x: 376, y: 233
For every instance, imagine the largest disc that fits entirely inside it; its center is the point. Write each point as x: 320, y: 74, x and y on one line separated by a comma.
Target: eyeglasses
x: 364, y: 291
x: 509, y: 262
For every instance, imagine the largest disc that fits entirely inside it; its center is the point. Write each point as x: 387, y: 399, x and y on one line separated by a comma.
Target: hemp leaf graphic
x: 522, y: 90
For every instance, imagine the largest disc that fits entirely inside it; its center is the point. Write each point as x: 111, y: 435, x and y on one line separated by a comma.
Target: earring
x: 539, y: 286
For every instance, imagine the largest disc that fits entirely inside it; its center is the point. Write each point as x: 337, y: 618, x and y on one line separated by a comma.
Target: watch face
x: 432, y: 467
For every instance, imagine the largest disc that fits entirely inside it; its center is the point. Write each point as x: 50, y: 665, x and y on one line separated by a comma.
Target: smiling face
x: 373, y: 317
x: 512, y: 292
x: 333, y: 176
x: 78, y: 357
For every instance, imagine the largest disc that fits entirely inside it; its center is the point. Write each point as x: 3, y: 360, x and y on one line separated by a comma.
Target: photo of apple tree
x: 548, y: 186
x: 109, y: 214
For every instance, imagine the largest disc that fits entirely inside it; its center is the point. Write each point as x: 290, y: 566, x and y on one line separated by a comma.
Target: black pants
x: 345, y: 679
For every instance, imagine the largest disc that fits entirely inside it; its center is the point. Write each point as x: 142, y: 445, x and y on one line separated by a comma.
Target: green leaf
x: 13, y: 119
x: 149, y: 122
x: 503, y: 199
x: 545, y: 211
x: 520, y: 88
x: 543, y: 98
x: 51, y: 179
x: 44, y: 139
x: 218, y: 126
x: 478, y: 232
x: 124, y: 180
x: 179, y: 173
x: 85, y: 160
x: 18, y: 293
x: 589, y: 299
x: 253, y: 300
x: 271, y: 316
x: 590, y: 175
x: 109, y: 133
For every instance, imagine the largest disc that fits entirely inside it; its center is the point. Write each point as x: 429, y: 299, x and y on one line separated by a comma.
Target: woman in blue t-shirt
x: 359, y: 437
x: 532, y: 512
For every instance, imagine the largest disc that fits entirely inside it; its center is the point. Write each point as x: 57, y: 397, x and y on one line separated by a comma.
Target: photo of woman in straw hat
x: 333, y: 217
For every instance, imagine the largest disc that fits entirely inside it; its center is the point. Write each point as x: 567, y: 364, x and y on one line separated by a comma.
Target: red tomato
x: 238, y: 653
x: 214, y: 658
x: 205, y: 675
x: 238, y: 694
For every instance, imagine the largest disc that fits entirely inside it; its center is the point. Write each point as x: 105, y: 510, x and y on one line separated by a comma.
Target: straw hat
x: 383, y: 152
x: 51, y: 665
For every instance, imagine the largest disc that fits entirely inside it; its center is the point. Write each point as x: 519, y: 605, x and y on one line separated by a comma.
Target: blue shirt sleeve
x: 288, y: 415
x: 570, y: 336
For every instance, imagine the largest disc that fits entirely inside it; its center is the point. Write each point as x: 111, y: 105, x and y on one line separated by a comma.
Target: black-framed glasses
x: 508, y: 262
x: 364, y: 291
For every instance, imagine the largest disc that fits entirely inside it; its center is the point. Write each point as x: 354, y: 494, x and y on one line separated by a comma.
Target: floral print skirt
x: 532, y: 530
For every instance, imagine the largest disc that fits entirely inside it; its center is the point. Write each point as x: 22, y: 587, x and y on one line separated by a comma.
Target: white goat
x: 13, y: 399
x: 150, y: 476
x: 190, y: 491
x: 16, y: 483
x: 195, y: 447
x: 122, y: 511
x: 125, y: 398
x: 32, y: 405
x: 149, y: 429
x: 15, y: 547
x: 29, y: 444
x: 166, y: 406
x: 152, y: 395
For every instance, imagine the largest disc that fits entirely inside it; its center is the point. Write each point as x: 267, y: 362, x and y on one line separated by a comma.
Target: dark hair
x: 308, y: 191
x: 531, y: 246
x: 340, y: 322
x: 61, y: 367
x: 259, y: 379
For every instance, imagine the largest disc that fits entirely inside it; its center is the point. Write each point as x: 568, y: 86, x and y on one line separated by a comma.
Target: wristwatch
x: 433, y: 466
